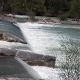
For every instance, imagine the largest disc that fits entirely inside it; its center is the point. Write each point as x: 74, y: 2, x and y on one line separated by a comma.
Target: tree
x: 41, y: 7
x: 17, y: 6
x: 49, y: 7
x: 75, y: 9
x: 1, y: 5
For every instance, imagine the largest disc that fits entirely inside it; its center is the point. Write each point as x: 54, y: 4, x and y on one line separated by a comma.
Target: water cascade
x: 46, y: 39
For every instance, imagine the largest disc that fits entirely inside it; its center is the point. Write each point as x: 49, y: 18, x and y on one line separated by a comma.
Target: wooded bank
x: 60, y: 8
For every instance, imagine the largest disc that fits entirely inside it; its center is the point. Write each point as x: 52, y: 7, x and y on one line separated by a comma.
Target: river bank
x: 15, y: 19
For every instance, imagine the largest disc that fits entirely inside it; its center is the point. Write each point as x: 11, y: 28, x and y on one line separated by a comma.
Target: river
x: 46, y: 39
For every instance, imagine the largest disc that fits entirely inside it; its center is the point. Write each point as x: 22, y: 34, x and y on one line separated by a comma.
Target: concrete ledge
x: 30, y: 58
x: 11, y: 38
x: 7, y: 52
x: 37, y: 59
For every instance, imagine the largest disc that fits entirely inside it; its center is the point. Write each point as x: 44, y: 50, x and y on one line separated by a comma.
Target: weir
x: 14, y: 62
x: 10, y: 32
x: 12, y: 67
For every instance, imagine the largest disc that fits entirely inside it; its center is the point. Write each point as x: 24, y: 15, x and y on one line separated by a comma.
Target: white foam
x: 13, y: 45
x: 38, y: 38
x: 41, y: 41
x: 48, y: 73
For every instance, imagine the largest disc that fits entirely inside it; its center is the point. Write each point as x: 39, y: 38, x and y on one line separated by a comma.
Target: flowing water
x: 46, y: 39
x: 42, y: 39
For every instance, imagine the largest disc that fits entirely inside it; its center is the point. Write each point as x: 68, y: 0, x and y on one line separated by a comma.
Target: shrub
x: 63, y: 17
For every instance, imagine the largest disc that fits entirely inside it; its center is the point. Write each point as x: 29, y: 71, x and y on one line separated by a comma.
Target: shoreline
x: 15, y: 19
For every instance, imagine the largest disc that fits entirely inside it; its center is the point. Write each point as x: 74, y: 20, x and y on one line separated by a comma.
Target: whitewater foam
x: 38, y: 38
x: 41, y: 42
x: 46, y: 39
x: 48, y: 73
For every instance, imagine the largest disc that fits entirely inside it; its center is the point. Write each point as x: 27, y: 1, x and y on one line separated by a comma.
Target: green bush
x: 63, y: 17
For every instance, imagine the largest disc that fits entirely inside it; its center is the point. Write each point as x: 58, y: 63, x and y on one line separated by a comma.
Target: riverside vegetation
x: 59, y: 8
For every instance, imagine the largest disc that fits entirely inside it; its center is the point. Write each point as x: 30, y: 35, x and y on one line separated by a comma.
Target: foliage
x: 41, y: 7
x: 71, y: 68
x: 63, y: 17
x: 75, y: 8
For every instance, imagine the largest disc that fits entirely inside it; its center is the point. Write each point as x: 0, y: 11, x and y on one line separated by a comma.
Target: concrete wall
x: 29, y: 57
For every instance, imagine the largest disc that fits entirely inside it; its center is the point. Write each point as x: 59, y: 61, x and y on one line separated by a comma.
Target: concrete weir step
x: 12, y: 68
x: 30, y: 57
